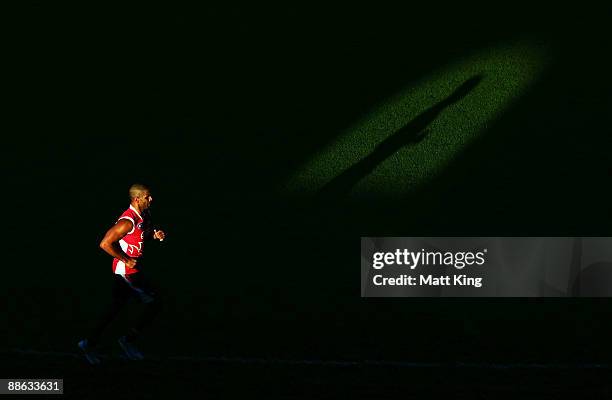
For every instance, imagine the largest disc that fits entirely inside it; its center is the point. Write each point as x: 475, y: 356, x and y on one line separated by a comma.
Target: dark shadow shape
x: 412, y: 133
x: 595, y: 280
x: 575, y: 268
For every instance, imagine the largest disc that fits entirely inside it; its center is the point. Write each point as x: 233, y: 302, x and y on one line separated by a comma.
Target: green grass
x: 507, y: 72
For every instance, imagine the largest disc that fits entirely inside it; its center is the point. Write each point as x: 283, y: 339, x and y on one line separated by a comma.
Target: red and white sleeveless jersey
x: 132, y: 242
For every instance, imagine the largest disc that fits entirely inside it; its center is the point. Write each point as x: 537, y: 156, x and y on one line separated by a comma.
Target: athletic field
x: 222, y: 378
x: 273, y: 139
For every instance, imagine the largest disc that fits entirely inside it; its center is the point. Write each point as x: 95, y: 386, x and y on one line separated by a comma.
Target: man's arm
x: 159, y: 235
x: 154, y: 234
x: 110, y: 242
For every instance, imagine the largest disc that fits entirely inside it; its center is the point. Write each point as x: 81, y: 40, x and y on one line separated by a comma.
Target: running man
x: 124, y: 242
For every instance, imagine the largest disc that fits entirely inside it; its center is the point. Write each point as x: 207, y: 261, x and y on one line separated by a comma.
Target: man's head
x: 140, y: 196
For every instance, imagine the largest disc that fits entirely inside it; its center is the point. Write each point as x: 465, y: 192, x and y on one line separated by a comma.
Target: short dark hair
x: 137, y: 189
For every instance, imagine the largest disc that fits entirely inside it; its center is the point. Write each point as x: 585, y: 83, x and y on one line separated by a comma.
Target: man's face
x: 145, y: 200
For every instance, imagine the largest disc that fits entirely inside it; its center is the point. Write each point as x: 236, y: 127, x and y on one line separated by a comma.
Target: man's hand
x: 131, y: 263
x: 159, y: 235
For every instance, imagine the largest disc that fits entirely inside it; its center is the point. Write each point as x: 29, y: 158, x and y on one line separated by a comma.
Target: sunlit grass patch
x: 506, y: 73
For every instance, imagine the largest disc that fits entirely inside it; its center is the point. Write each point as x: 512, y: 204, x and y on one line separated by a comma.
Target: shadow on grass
x: 413, y: 133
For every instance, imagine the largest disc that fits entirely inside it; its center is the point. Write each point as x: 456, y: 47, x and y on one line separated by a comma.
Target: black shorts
x: 134, y: 285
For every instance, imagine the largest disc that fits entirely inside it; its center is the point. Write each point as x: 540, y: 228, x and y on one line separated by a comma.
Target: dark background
x: 215, y: 107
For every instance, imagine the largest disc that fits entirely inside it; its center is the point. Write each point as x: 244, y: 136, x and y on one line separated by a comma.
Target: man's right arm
x: 110, y: 242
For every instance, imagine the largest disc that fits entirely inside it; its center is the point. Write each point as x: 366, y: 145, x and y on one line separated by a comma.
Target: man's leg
x: 152, y: 309
x: 151, y: 297
x: 120, y: 296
